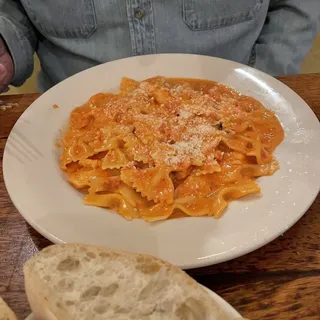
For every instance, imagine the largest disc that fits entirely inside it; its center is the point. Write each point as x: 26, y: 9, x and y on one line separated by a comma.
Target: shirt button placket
x: 140, y: 16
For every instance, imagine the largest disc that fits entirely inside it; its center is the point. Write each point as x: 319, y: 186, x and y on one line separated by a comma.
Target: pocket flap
x: 210, y: 14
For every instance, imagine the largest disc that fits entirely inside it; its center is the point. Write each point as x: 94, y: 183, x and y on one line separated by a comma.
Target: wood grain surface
x: 279, y: 281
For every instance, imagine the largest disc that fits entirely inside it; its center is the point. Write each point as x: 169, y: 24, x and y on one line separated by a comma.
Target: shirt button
x: 139, y: 14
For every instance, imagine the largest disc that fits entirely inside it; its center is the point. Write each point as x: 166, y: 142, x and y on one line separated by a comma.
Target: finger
x: 4, y: 88
x: 4, y: 79
x: 3, y: 74
x: 3, y: 47
x: 6, y: 69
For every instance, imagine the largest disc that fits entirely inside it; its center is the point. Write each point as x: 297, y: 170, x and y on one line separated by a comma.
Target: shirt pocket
x: 62, y: 18
x: 211, y: 14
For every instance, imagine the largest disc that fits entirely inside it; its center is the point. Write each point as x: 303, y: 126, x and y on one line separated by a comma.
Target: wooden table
x: 279, y: 281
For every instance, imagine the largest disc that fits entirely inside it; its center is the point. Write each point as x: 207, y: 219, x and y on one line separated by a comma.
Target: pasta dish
x: 168, y: 147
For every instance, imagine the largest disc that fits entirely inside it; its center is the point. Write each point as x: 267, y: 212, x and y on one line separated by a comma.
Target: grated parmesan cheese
x: 180, y: 129
x: 185, y: 114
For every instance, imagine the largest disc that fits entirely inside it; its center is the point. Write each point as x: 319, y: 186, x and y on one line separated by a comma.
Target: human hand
x: 6, y: 67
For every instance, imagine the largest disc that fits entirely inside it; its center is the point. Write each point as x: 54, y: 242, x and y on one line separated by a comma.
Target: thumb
x: 3, y: 79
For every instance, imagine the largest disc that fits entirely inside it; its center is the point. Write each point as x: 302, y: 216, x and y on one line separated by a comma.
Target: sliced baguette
x: 79, y: 282
x: 5, y: 312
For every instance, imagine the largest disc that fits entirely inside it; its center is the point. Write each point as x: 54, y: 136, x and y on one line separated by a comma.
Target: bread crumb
x: 9, y: 105
x: 55, y: 106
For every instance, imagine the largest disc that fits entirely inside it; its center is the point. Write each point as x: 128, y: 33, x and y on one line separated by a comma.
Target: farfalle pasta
x: 167, y: 147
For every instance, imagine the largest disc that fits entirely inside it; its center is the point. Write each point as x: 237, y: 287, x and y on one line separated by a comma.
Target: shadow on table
x: 39, y: 241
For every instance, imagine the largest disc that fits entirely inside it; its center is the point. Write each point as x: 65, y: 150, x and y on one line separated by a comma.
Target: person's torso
x: 75, y: 35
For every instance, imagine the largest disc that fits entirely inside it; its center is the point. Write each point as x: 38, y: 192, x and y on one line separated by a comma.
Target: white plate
x: 41, y: 193
x: 224, y: 305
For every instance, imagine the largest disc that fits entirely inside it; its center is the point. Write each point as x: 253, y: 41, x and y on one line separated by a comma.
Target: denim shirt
x: 70, y: 36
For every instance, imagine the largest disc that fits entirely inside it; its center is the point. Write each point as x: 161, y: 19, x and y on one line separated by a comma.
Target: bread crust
x: 5, y: 312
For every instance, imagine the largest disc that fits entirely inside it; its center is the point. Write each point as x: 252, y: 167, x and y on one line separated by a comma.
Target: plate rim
x: 195, y: 264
